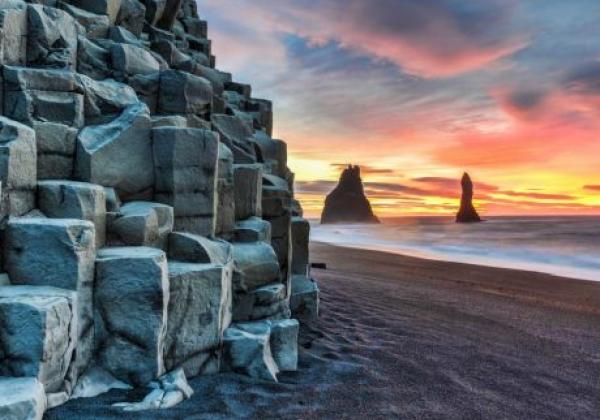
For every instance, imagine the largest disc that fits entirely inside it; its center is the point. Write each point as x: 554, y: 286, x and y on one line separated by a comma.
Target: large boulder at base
x: 186, y: 162
x: 347, y: 203
x: 18, y: 168
x: 300, y: 239
x: 131, y: 302
x: 22, y: 399
x: 255, y: 265
x: 248, y: 190
x: 74, y: 200
x: 58, y: 253
x: 199, y: 312
x: 249, y: 352
x: 142, y: 223
x: 304, y: 300
x: 284, y: 343
x: 38, y: 335
x: 191, y: 248
x: 119, y: 154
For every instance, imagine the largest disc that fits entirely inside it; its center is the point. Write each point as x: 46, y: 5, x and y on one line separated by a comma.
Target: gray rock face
x: 51, y: 38
x: 101, y: 7
x: 304, y: 300
x: 255, y: 265
x: 38, y: 334
x: 131, y: 60
x: 13, y: 33
x: 131, y: 303
x: 75, y: 200
x: 18, y: 168
x: 249, y: 353
x: 22, y: 399
x: 100, y: 150
x: 186, y: 176
x: 199, y: 312
x: 226, y: 191
x: 141, y: 223
x: 248, y: 191
x: 58, y: 253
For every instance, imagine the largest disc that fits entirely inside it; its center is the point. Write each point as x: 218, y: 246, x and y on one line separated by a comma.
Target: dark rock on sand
x: 467, y: 212
x: 347, y: 202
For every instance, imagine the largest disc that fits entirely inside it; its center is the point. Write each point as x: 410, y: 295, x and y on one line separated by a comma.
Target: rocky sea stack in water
x: 148, y: 227
x: 347, y: 203
x: 467, y: 212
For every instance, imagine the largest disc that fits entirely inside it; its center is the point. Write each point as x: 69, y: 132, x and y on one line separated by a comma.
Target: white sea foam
x: 563, y: 246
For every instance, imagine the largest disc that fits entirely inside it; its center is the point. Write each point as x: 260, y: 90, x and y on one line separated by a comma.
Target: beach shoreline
x: 402, y: 337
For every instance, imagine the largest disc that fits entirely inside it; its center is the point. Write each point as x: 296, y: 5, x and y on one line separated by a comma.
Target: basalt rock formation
x: 467, y: 212
x: 347, y: 203
x: 148, y: 227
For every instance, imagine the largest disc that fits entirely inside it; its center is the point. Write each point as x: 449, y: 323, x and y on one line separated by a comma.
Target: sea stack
x: 467, y: 212
x: 347, y: 203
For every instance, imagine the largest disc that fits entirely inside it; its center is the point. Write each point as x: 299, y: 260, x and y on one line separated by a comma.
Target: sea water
x: 563, y: 246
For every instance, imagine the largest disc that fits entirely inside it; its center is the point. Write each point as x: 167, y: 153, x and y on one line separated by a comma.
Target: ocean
x: 563, y: 246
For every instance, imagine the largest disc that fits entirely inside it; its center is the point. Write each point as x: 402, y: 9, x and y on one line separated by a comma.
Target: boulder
x: 199, y: 312
x: 96, y: 26
x: 74, y: 200
x: 105, y: 100
x: 183, y: 93
x: 22, y: 399
x: 284, y: 343
x: 141, y: 223
x: 192, y: 248
x: 304, y: 300
x: 51, y: 38
x: 131, y: 16
x: 109, y: 8
x: 131, y: 301
x: 185, y: 161
x: 248, y: 190
x: 93, y: 60
x: 300, y: 240
x: 18, y: 168
x: 55, y: 150
x: 264, y: 302
x: 58, y: 253
x: 38, y: 335
x: 41, y: 105
x: 237, y: 136
x: 249, y: 352
x: 255, y: 265
x: 131, y: 60
x: 253, y: 229
x: 119, y: 154
x: 13, y: 33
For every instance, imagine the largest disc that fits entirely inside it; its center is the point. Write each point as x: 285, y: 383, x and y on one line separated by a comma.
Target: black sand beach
x: 402, y: 337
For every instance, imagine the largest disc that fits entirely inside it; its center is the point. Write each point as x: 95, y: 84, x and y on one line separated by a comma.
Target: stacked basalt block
x: 148, y: 226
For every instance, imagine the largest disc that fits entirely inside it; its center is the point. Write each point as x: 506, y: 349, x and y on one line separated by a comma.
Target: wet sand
x: 402, y: 337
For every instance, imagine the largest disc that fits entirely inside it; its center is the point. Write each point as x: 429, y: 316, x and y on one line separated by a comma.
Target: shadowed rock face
x: 467, y: 213
x: 347, y: 202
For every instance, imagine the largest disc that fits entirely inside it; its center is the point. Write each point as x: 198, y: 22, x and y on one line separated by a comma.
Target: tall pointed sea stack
x: 467, y: 212
x: 347, y: 203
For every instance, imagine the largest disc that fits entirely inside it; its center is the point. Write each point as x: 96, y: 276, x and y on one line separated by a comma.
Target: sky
x: 419, y: 91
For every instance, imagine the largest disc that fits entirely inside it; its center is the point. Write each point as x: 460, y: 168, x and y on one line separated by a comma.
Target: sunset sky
x: 418, y: 91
